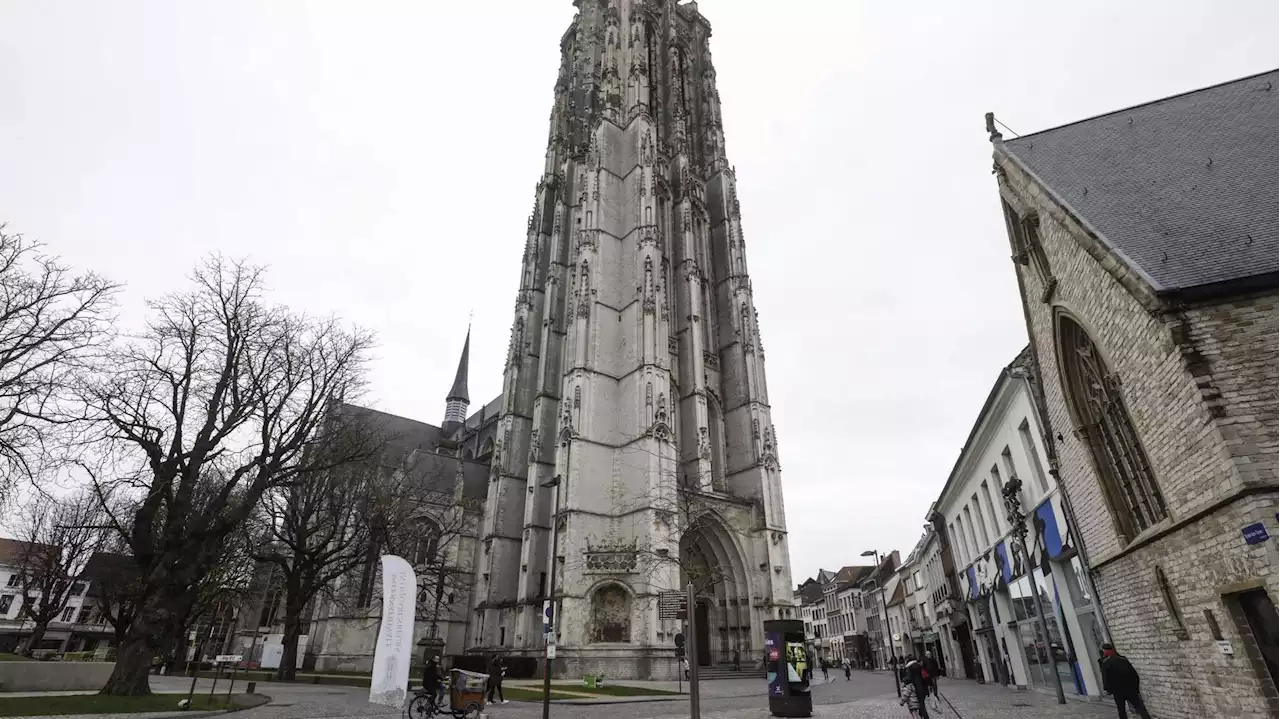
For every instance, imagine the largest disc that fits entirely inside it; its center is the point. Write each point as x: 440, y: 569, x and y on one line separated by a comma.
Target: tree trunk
x: 288, y: 670
x: 132, y: 674
x: 145, y: 637
x: 37, y: 636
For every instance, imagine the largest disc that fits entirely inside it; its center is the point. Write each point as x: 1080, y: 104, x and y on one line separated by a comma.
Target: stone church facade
x: 634, y: 433
x: 1145, y: 246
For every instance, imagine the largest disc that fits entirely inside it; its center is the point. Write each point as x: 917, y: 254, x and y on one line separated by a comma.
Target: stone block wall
x: 1199, y: 383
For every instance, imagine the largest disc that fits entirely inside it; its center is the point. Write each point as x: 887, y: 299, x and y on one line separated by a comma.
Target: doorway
x: 1260, y: 619
x: 702, y: 618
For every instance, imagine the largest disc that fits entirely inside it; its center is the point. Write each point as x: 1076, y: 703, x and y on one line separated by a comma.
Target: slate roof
x: 1153, y: 193
x: 403, y: 435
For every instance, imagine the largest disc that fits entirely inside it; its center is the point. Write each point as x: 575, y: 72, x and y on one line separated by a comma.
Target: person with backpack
x: 1122, y: 681
x: 913, y: 677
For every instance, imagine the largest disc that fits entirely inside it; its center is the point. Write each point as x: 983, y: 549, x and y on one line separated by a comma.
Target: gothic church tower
x: 634, y: 402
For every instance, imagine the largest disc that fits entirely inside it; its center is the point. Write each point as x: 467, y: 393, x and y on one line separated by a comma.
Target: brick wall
x: 1200, y: 387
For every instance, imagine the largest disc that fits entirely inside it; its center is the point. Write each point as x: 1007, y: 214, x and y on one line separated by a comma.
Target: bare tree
x: 317, y: 527
x: 198, y: 417
x: 428, y: 537
x: 58, y: 535
x: 50, y: 319
x: 116, y: 588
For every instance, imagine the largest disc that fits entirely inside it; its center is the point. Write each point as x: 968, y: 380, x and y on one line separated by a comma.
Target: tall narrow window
x: 1033, y: 455
x: 962, y: 542
x: 982, y: 521
x: 989, y: 500
x: 1127, y: 480
x: 973, y: 536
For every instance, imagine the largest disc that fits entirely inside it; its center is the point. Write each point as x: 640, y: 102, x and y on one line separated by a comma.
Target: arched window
x: 1106, y: 429
x: 468, y: 454
x: 426, y: 542
x: 487, y: 449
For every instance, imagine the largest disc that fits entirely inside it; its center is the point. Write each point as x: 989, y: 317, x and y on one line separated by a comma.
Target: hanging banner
x: 394, y: 651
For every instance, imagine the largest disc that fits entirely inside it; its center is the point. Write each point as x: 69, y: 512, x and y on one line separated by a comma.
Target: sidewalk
x: 970, y: 700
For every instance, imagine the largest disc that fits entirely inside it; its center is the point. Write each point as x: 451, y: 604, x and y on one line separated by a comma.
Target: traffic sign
x: 673, y: 605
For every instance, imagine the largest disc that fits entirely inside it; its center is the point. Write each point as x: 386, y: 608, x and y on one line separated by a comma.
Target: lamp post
x: 1013, y: 512
x: 554, y: 482
x: 884, y: 630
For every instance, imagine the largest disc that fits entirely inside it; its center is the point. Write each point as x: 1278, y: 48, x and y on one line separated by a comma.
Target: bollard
x: 249, y: 689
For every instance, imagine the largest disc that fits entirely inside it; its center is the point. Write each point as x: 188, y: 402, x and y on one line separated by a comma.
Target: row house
x: 1001, y: 577
x: 877, y: 587
x: 79, y: 627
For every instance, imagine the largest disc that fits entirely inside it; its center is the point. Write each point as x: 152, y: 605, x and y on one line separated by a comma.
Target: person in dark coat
x: 932, y: 672
x: 1122, y: 681
x: 913, y: 675
x: 431, y: 679
x: 496, y: 671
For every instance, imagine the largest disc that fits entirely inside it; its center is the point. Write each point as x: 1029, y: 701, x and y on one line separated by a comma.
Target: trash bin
x: 787, y: 668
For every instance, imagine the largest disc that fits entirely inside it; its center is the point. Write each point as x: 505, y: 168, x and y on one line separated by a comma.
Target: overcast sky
x: 381, y: 158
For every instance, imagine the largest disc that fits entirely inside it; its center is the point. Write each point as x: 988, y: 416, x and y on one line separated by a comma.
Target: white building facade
x: 996, y: 579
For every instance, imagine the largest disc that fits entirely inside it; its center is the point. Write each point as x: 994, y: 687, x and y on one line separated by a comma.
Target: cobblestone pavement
x: 865, y: 696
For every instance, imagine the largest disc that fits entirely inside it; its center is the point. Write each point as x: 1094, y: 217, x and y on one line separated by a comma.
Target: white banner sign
x: 390, y: 681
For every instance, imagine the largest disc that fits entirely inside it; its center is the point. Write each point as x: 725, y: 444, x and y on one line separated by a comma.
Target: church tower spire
x: 457, y: 401
x: 634, y: 441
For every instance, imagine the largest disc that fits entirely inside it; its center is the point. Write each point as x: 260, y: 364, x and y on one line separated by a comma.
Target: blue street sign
x: 1255, y: 533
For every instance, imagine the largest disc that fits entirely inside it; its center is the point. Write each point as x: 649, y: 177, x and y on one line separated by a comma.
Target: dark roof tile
x: 1153, y: 192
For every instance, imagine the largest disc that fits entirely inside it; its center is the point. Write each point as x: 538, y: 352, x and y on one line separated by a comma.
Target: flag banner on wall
x: 391, y: 657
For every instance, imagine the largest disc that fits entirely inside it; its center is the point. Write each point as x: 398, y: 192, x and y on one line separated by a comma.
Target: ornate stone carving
x: 610, y: 615
x: 711, y: 360
x: 610, y: 558
x: 535, y: 447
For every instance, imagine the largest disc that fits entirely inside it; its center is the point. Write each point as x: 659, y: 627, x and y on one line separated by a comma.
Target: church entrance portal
x: 713, y: 564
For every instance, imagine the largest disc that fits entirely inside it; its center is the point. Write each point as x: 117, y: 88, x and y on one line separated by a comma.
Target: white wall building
x: 79, y: 627
x: 1006, y: 442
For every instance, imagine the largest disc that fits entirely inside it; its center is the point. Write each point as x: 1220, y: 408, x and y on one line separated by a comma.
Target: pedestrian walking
x: 931, y: 673
x: 737, y: 660
x: 911, y: 700
x: 913, y: 677
x: 496, y: 670
x: 685, y: 663
x: 825, y: 676
x: 845, y: 665
x: 1122, y: 681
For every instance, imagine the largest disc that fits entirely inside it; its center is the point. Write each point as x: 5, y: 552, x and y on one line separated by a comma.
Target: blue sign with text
x: 1255, y: 534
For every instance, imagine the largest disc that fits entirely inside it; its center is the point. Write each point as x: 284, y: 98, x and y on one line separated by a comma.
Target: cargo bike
x: 466, y: 698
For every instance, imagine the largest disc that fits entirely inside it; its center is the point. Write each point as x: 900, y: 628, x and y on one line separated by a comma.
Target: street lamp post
x: 554, y: 482
x: 884, y: 630
x: 1013, y: 511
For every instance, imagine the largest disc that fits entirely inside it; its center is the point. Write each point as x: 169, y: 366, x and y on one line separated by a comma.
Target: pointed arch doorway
x: 712, y: 562
x: 702, y: 622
